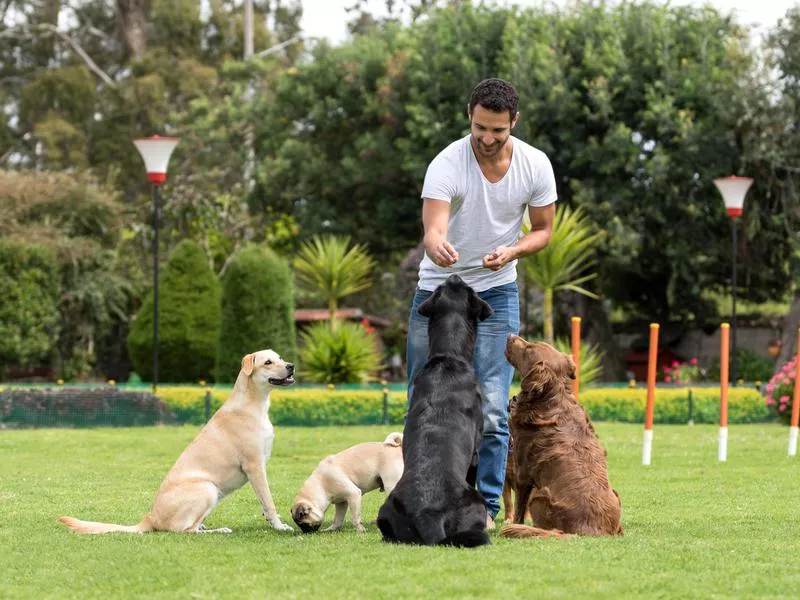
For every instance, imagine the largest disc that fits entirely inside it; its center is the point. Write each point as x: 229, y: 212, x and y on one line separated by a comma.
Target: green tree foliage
x: 564, y: 263
x: 257, y: 310
x: 188, y: 320
x: 29, y: 317
x: 346, y: 354
x: 80, y: 223
x: 327, y: 267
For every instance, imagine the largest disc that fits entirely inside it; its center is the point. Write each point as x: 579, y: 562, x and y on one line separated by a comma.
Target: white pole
x: 793, y: 440
x: 722, y: 454
x: 647, y: 449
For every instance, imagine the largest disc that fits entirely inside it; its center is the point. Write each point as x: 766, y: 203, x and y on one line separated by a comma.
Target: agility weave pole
x: 576, y: 354
x: 724, y: 356
x: 652, y: 359
x: 793, y: 423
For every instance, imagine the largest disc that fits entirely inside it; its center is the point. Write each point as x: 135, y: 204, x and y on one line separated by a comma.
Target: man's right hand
x: 443, y: 254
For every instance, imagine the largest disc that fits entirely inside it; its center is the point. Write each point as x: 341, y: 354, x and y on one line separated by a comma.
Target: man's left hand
x: 498, y: 258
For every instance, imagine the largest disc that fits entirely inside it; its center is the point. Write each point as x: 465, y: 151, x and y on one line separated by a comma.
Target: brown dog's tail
x: 394, y: 439
x: 526, y: 531
x: 79, y: 526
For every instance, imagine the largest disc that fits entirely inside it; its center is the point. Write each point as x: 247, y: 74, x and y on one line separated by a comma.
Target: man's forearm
x: 531, y: 242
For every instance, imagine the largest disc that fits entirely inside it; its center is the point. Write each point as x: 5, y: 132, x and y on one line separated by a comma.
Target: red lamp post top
x: 156, y: 151
x: 733, y: 190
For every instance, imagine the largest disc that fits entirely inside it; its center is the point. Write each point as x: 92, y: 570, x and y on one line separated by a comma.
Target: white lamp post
x: 733, y: 190
x: 156, y: 152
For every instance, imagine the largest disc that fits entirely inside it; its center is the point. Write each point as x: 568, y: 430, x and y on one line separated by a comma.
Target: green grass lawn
x: 693, y: 527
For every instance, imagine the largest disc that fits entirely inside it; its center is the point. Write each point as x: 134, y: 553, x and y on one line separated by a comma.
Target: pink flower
x: 786, y: 381
x: 675, y: 364
x: 668, y: 379
x: 677, y: 373
x: 770, y: 402
x: 667, y: 370
x: 784, y: 399
x: 693, y: 361
x: 782, y: 408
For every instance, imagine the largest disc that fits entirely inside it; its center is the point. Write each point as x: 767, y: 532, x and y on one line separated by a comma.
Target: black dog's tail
x: 466, y: 539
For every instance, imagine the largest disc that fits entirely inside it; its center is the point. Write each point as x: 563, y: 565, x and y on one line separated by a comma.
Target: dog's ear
x: 247, y: 364
x: 482, y: 308
x: 426, y: 308
x: 537, y: 379
x: 570, y: 367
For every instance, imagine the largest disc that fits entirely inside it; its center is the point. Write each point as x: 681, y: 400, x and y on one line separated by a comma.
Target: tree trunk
x: 547, y: 317
x: 789, y: 338
x: 332, y: 311
x: 596, y: 329
x: 133, y: 14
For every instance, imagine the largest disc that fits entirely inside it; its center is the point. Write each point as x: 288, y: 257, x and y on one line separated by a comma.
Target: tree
x: 564, y: 262
x: 257, y: 310
x: 188, y: 320
x: 325, y: 267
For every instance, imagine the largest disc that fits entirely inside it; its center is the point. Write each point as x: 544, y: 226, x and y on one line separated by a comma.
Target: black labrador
x: 435, y: 502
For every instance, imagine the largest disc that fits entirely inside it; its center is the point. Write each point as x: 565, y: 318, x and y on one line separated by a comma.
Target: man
x: 474, y: 196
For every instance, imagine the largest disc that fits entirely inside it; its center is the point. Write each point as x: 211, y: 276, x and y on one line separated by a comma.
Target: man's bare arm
x: 435, y: 217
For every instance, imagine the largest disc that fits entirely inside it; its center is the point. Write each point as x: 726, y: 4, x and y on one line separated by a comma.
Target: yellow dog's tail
x: 524, y: 531
x: 92, y: 527
x: 394, y: 439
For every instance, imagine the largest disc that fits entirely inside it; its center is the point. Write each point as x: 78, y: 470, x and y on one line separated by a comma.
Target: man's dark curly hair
x: 495, y: 94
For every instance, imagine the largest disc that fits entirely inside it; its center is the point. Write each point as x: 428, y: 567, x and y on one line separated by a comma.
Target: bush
x: 80, y: 407
x: 257, y: 310
x: 29, y: 318
x: 344, y: 354
x: 780, y: 391
x: 188, y: 320
x: 591, y: 367
x: 749, y: 367
x: 682, y: 373
x: 309, y: 406
x: 745, y: 405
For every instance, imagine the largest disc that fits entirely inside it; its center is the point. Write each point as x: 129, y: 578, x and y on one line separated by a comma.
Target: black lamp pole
x: 733, y: 310
x: 155, y: 285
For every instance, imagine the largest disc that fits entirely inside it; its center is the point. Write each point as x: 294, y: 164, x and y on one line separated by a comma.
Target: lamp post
x: 155, y: 152
x: 733, y: 190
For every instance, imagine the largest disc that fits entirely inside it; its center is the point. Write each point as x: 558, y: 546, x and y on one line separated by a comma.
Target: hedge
x: 80, y: 407
x: 299, y: 406
x: 319, y: 406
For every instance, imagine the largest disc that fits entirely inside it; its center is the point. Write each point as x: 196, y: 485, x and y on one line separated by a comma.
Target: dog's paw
x: 332, y: 528
x: 281, y: 526
x: 360, y: 528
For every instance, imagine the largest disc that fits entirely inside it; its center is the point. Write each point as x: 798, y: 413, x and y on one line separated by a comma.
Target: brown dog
x: 231, y: 449
x: 561, y: 474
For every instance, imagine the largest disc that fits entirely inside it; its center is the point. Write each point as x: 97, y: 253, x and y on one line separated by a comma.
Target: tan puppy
x: 231, y: 449
x: 341, y: 479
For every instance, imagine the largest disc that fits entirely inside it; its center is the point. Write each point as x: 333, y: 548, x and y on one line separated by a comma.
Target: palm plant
x: 563, y: 263
x: 591, y: 360
x: 327, y: 267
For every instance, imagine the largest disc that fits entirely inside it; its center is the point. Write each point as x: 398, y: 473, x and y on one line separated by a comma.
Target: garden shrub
x: 29, y: 318
x: 257, y: 310
x: 188, y: 320
x: 80, y: 407
x: 344, y: 354
x: 315, y: 406
x: 780, y: 391
x: 749, y: 367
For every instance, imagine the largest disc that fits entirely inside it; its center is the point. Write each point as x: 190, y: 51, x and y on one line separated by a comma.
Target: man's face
x: 490, y: 130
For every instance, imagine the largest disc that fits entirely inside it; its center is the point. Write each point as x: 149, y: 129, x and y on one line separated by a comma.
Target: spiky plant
x: 329, y: 268
x: 564, y: 263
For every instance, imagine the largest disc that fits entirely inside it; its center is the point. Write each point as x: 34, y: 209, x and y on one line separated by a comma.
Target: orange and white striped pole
x: 724, y: 358
x: 576, y: 354
x: 793, y: 423
x: 652, y: 366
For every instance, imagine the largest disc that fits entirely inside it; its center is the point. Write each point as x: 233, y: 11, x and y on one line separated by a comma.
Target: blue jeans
x: 493, y: 372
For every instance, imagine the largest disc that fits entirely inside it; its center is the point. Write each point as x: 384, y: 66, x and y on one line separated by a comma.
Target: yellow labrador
x: 231, y: 449
x: 341, y: 479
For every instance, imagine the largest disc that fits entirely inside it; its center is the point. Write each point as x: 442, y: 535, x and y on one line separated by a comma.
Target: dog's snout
x: 290, y: 367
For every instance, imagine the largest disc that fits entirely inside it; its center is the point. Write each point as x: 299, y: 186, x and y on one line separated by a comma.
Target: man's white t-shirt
x: 484, y: 215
